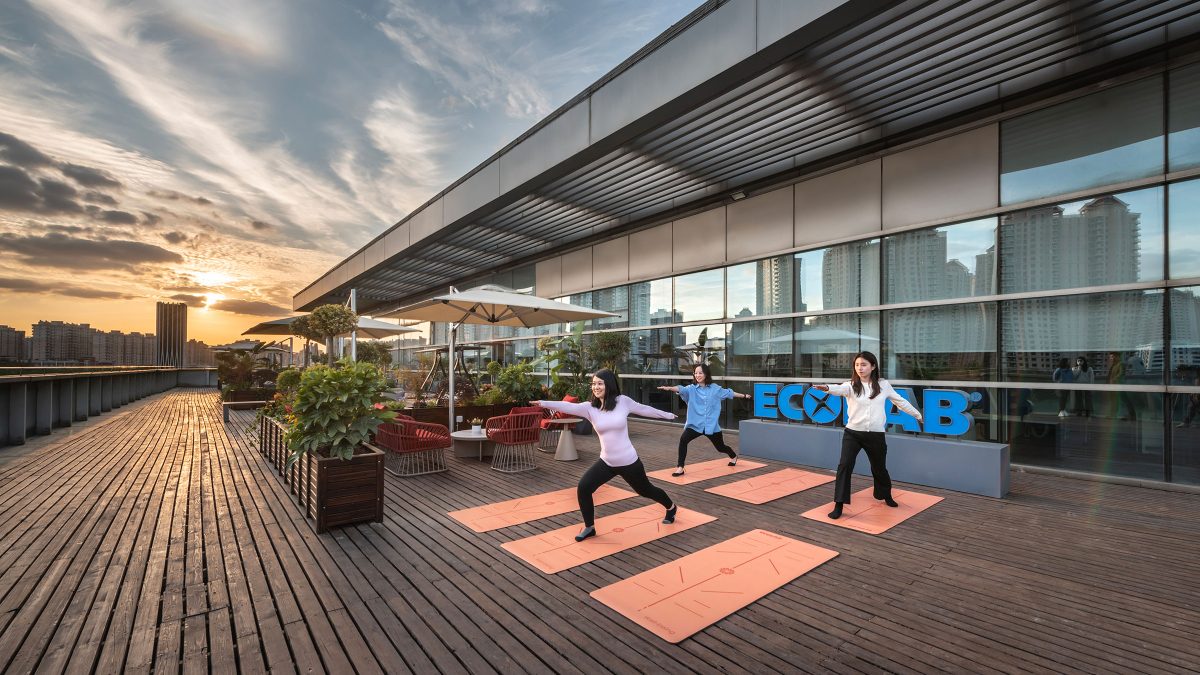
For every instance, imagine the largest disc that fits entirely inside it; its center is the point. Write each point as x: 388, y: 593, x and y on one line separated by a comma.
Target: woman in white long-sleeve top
x: 867, y: 397
x: 609, y: 413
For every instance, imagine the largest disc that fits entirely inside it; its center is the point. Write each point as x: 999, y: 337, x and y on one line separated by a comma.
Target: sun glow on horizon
x: 211, y: 299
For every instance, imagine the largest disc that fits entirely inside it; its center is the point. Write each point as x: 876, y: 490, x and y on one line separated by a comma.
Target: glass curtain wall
x: 1074, y: 321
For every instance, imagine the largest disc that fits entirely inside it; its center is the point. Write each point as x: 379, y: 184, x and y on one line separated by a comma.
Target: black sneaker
x: 677, y: 474
x: 586, y: 532
x: 670, y: 517
x: 837, y: 511
x: 733, y: 459
x: 890, y: 502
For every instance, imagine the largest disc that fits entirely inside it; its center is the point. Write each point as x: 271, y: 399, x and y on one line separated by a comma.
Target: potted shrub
x: 329, y: 423
x: 476, y: 425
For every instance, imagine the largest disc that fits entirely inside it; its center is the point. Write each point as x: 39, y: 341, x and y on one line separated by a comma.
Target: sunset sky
x: 225, y: 153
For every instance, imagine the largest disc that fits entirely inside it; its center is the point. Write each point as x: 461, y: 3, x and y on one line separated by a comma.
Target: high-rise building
x: 59, y: 341
x: 12, y: 344
x: 171, y: 333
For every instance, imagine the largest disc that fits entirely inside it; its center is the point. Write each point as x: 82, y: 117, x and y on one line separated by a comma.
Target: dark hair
x: 611, y: 390
x: 856, y: 383
x: 1064, y: 363
x: 707, y: 372
x: 1082, y: 360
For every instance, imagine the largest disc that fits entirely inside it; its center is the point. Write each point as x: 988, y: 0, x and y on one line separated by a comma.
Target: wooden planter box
x: 260, y: 394
x: 332, y: 492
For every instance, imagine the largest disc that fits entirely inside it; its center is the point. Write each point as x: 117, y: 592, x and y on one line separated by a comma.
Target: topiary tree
x: 325, y: 323
x: 376, y: 352
x: 608, y: 350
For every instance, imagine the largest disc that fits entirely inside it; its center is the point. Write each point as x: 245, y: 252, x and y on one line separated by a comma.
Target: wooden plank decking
x: 162, y: 541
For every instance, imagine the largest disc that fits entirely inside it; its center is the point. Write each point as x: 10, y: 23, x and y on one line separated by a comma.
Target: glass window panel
x: 955, y: 261
x: 523, y: 279
x: 650, y: 303
x: 651, y: 351
x: 1185, y: 334
x: 1113, y: 239
x: 614, y: 300
x: 1185, y: 230
x: 760, y: 288
x: 1183, y: 139
x: 700, y: 296
x: 1099, y: 443
x: 1103, y: 328
x: 1108, y: 137
x: 700, y: 344
x: 760, y: 348
x: 954, y: 342
x: 440, y: 333
x: 842, y: 276
x: 826, y: 345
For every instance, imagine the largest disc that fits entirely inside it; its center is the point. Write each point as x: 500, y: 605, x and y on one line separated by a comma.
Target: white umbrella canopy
x: 495, y: 305
x: 491, y: 305
x: 372, y: 328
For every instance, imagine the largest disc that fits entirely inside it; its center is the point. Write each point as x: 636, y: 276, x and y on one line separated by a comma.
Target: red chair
x: 413, y: 448
x: 516, y: 438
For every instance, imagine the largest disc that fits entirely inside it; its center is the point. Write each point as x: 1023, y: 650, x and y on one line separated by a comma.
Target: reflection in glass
x: 955, y: 261
x: 760, y: 288
x: 1185, y: 334
x: 614, y: 300
x: 1097, y: 444
x: 650, y: 303
x: 650, y: 351
x: 826, y: 345
x: 760, y: 348
x: 700, y: 344
x: 1108, y: 137
x: 953, y: 342
x: 700, y: 296
x: 1113, y: 239
x: 1183, y: 140
x: 1038, y: 332
x: 842, y: 276
x: 1185, y: 230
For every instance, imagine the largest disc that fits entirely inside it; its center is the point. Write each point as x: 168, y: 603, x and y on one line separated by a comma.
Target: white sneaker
x: 1062, y: 413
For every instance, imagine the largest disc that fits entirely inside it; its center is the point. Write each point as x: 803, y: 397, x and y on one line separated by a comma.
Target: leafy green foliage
x: 608, y: 350
x: 565, y: 356
x: 325, y: 323
x: 373, y: 351
x: 337, y: 409
x: 287, y: 380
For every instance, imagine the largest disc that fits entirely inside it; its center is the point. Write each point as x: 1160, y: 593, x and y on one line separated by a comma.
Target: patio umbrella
x: 372, y: 328
x: 491, y: 305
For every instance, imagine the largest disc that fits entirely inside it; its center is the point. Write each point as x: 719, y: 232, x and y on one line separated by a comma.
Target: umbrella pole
x: 453, y: 330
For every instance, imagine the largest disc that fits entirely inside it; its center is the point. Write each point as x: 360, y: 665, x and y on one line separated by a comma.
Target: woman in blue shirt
x: 703, y: 401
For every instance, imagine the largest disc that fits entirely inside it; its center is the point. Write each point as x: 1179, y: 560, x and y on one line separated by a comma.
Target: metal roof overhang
x: 853, y: 79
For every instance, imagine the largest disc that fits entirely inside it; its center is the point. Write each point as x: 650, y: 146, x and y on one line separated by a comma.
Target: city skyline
x: 175, y: 152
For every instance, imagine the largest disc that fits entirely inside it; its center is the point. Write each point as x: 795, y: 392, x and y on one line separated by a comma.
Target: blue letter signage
x: 945, y: 410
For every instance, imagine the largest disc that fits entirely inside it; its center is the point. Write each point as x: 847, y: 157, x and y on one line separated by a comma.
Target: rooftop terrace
x: 158, y: 539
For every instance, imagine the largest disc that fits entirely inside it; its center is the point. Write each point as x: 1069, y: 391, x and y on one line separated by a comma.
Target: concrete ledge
x: 965, y: 466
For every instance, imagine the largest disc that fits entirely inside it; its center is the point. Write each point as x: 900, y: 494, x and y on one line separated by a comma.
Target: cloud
x: 89, y: 177
x: 21, y: 192
x: 19, y: 153
x: 119, y: 217
x: 179, y: 196
x: 99, y: 198
x: 260, y: 225
x: 65, y: 252
x: 47, y: 288
x: 150, y: 218
x: 190, y: 300
x: 250, y: 307
x: 175, y: 237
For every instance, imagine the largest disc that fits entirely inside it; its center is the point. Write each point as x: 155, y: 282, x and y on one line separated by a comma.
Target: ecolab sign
x: 945, y: 410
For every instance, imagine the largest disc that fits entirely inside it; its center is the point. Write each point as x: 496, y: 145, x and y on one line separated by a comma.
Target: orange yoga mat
x: 772, y: 486
x: 516, y: 511
x: 687, y: 595
x: 865, y: 514
x: 557, y: 550
x: 694, y: 473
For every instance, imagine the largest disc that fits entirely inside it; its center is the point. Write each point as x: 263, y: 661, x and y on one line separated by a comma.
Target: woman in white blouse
x: 867, y: 397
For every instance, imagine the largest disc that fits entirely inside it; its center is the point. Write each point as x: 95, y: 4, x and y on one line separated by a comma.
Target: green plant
x: 325, y: 323
x: 373, y: 351
x: 287, y: 380
x: 517, y: 383
x: 337, y: 409
x: 475, y: 421
x: 608, y: 350
x: 243, y: 369
x: 565, y: 358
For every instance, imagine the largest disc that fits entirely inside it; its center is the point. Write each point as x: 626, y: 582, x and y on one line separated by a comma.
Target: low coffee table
x: 469, y: 436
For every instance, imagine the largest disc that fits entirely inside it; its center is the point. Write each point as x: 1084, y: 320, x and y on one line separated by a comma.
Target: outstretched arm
x: 636, y: 408
x: 902, y: 403
x: 576, y: 409
x: 671, y: 389
x: 835, y: 389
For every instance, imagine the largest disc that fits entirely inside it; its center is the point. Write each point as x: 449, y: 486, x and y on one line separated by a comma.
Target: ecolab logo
x: 945, y: 410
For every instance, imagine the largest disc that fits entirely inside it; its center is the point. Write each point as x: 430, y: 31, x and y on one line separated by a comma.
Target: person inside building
x: 703, y: 399
x: 867, y: 397
x: 609, y: 411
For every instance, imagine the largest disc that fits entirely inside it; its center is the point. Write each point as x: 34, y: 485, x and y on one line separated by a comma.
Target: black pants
x: 876, y: 446
x: 600, y: 473
x: 690, y: 434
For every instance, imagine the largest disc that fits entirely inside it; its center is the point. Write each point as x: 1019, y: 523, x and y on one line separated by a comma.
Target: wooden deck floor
x: 161, y: 541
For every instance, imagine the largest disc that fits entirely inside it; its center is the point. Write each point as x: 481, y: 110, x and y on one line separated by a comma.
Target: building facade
x: 12, y: 344
x: 171, y: 322
x: 1019, y: 223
